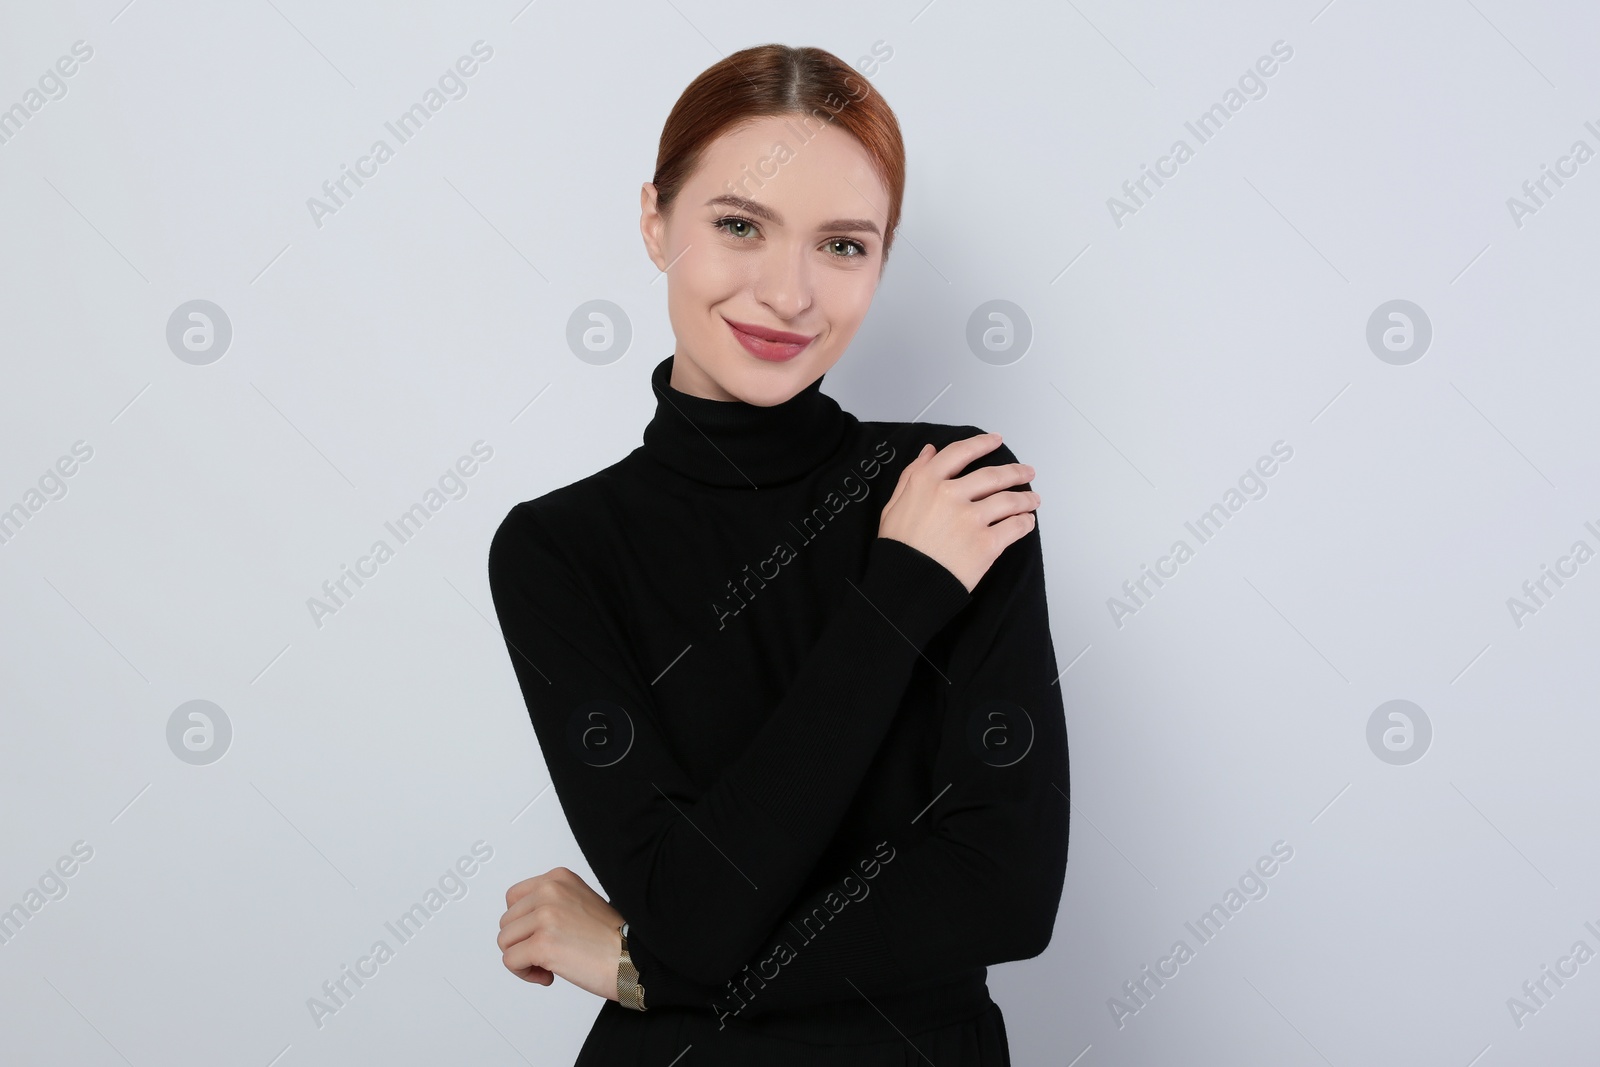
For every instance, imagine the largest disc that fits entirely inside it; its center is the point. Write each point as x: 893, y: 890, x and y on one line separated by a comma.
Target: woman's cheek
x: 849, y: 300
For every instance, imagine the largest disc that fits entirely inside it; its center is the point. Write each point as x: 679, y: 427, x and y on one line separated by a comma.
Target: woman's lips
x: 774, y: 345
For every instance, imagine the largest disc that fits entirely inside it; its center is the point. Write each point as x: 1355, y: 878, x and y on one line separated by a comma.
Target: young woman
x: 791, y: 672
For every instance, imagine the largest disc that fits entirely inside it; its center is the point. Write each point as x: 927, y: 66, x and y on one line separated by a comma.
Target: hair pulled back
x: 812, y: 84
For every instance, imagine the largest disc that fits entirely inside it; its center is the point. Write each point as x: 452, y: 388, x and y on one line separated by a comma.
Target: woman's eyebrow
x: 763, y: 212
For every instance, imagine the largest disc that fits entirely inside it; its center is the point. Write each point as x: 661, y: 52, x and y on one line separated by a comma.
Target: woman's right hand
x: 949, y: 518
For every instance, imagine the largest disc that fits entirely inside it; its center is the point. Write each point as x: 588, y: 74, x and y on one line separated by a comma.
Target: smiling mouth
x: 772, y: 345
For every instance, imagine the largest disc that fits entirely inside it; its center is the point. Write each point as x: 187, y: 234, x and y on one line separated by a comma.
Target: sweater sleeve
x: 982, y: 884
x: 703, y: 875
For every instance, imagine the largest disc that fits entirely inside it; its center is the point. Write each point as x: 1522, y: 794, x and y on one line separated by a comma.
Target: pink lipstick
x: 763, y: 343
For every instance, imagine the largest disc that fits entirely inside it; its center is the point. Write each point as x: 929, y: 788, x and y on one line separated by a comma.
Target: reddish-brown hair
x: 775, y: 79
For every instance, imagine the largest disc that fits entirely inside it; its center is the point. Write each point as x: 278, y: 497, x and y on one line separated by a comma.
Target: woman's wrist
x: 630, y: 994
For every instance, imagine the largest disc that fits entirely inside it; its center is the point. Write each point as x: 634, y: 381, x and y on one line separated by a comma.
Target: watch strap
x: 630, y: 994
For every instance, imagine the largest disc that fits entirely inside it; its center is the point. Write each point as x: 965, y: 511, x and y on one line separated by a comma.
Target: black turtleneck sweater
x: 825, y: 784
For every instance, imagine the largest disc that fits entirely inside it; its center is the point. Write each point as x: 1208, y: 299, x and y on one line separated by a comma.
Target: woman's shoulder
x: 561, y: 516
x: 906, y: 439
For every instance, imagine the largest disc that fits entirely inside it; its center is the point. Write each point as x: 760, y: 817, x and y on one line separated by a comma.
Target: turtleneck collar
x: 734, y: 444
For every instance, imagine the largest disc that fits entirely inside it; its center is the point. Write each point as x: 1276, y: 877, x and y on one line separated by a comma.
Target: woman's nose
x: 783, y: 282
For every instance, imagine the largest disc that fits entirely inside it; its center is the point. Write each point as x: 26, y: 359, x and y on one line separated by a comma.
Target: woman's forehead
x: 803, y: 172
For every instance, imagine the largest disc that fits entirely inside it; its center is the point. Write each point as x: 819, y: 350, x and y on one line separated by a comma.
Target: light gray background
x: 431, y: 311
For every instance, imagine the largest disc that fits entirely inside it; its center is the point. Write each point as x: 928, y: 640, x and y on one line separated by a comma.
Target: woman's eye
x: 733, y: 220
x: 742, y: 228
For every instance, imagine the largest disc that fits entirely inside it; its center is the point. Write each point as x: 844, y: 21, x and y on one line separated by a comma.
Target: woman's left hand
x: 556, y: 925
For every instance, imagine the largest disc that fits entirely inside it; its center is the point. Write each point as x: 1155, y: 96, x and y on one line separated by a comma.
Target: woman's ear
x: 651, y: 225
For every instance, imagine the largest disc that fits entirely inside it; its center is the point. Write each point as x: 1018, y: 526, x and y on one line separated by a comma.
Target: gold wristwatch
x: 630, y: 994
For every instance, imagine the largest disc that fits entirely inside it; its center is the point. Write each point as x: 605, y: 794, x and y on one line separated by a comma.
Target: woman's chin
x: 765, y: 384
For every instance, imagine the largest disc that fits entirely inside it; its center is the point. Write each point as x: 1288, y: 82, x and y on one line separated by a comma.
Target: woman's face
x: 772, y: 233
